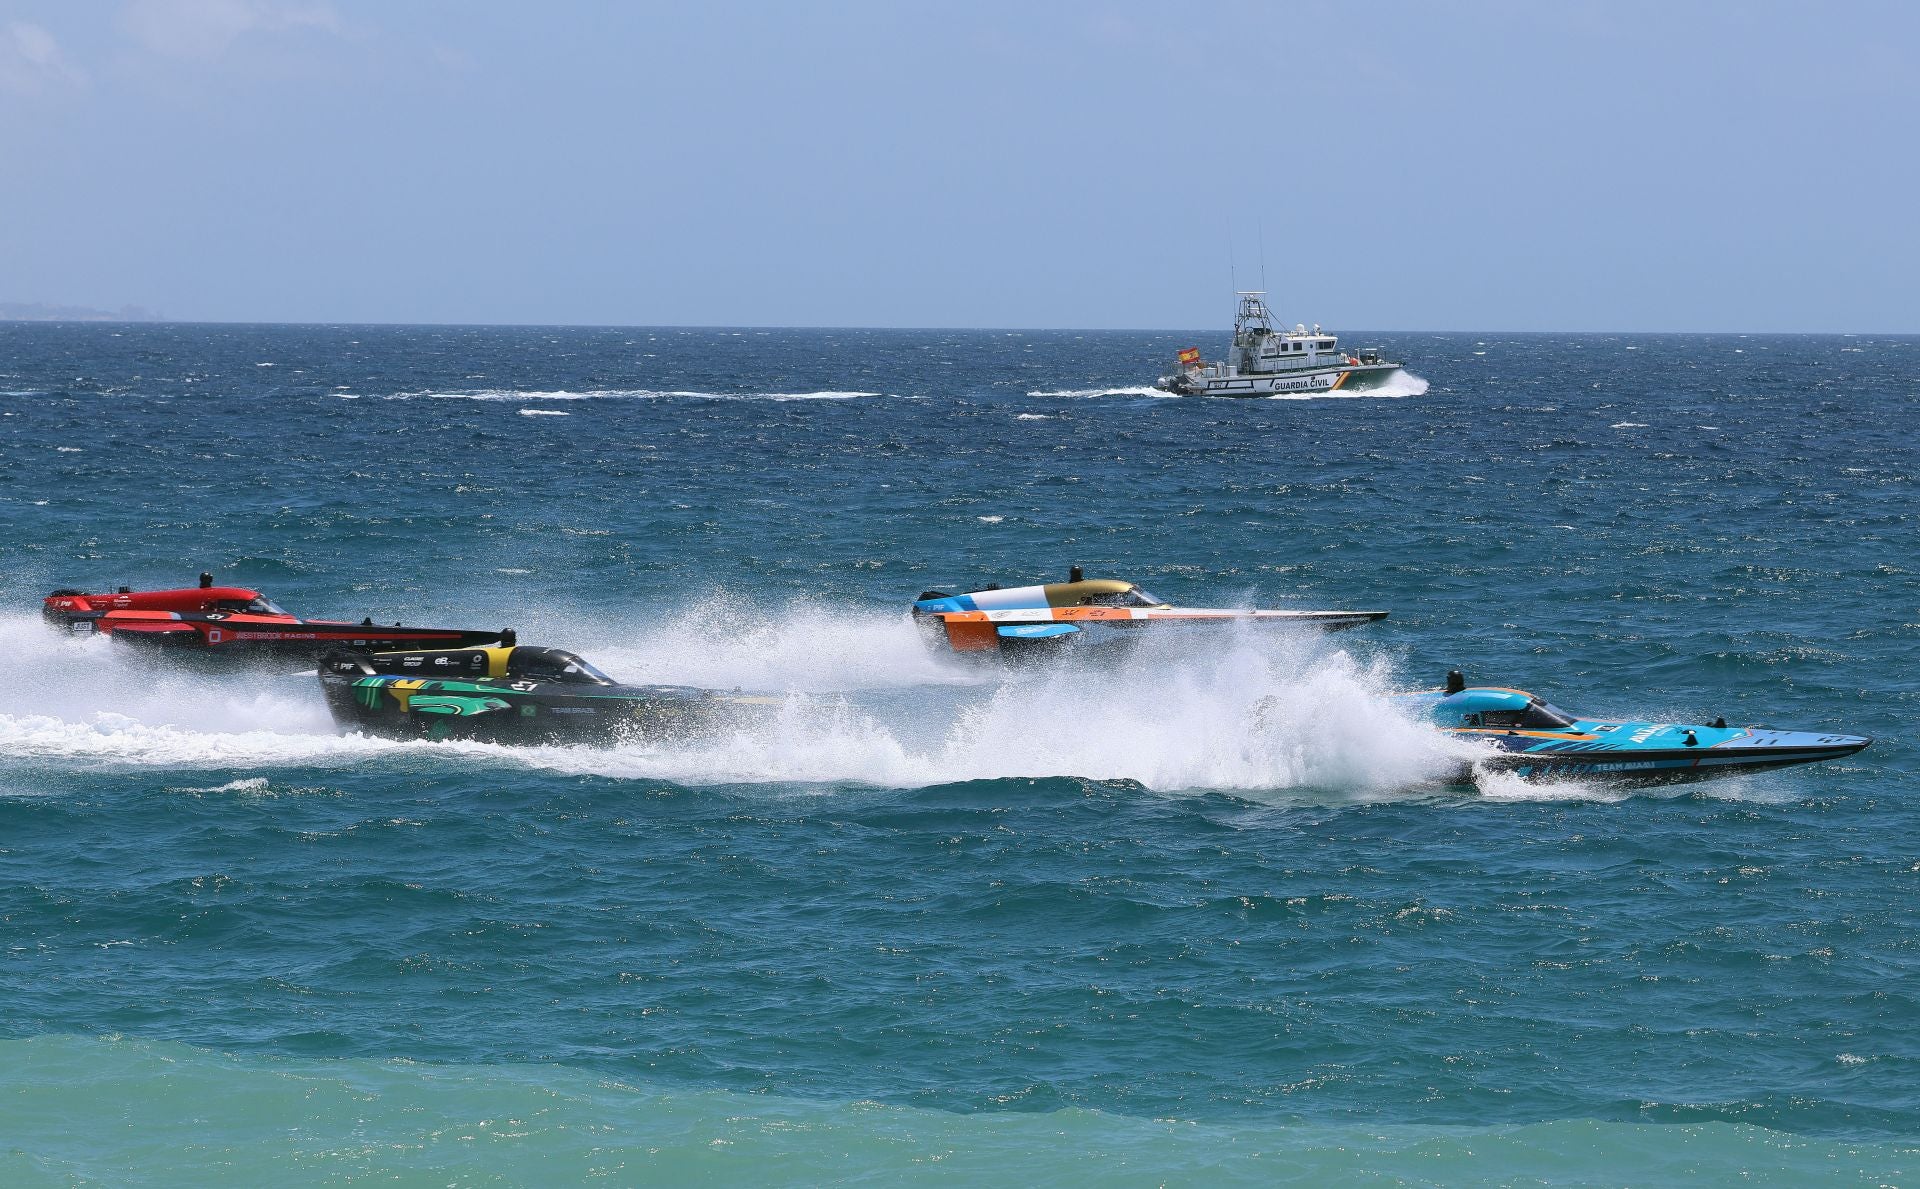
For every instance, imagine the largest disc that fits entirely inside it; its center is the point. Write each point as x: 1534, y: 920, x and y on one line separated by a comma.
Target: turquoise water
x: 162, y: 1113
x: 1199, y: 915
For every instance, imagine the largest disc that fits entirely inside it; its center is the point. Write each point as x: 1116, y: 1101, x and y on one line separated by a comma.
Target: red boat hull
x: 232, y: 621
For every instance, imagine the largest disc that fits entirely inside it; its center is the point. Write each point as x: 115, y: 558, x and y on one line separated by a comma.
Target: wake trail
x: 861, y: 700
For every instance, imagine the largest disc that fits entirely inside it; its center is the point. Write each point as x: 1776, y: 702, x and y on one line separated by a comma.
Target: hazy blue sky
x: 1731, y: 165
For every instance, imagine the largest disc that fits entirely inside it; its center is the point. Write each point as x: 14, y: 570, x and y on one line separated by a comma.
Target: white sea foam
x: 728, y: 642
x: 1400, y: 383
x: 859, y: 699
x: 1134, y: 390
x: 544, y: 413
x: 1760, y: 788
x: 512, y: 395
x: 1505, y: 786
x: 1265, y: 717
x: 252, y: 784
x: 88, y: 700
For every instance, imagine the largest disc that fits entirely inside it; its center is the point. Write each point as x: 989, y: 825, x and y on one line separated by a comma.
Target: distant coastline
x: 39, y: 311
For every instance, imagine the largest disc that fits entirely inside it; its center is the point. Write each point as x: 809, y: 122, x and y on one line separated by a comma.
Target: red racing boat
x: 232, y: 621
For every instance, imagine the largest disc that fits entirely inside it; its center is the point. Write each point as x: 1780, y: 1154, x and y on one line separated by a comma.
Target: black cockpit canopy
x: 553, y: 664
x: 523, y: 663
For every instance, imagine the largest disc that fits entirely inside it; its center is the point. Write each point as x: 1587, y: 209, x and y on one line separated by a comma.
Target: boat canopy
x: 553, y: 664
x: 1497, y: 708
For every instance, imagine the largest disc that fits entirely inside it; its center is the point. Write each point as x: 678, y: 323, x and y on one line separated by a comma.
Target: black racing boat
x: 517, y: 694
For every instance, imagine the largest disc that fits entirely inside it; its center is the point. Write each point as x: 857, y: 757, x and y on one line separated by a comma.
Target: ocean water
x: 1207, y: 913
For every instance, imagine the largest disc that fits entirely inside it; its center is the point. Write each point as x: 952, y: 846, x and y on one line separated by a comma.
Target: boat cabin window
x: 1538, y: 716
x: 259, y: 606
x: 553, y: 664
x: 1126, y: 598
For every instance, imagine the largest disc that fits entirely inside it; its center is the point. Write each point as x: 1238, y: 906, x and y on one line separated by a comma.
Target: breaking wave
x: 504, y: 394
x: 1134, y: 390
x: 1400, y: 384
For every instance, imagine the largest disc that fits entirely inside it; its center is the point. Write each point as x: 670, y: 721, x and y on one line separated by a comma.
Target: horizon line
x: 941, y: 329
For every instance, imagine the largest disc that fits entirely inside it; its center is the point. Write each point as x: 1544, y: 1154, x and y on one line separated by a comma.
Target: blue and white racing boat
x: 1530, y: 737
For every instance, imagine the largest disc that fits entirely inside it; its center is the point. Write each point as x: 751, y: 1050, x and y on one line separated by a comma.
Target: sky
x: 1690, y: 165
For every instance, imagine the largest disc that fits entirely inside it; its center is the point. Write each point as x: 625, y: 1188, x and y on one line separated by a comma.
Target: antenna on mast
x: 1233, y: 275
x: 1261, y: 224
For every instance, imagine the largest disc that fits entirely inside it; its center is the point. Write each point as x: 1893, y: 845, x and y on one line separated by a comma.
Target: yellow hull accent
x: 497, y: 660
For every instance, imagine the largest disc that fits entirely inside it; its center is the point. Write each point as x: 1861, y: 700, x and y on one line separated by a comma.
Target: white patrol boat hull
x: 1345, y: 378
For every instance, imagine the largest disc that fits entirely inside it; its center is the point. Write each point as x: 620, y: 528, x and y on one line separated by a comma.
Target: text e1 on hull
x: 1269, y: 362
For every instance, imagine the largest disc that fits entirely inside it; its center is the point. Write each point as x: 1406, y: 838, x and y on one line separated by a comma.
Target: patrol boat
x: 1269, y: 362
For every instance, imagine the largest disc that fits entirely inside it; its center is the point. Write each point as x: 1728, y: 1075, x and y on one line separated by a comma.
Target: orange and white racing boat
x: 1029, y: 621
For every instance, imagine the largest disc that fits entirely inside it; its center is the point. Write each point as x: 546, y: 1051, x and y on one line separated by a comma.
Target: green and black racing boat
x: 515, y: 693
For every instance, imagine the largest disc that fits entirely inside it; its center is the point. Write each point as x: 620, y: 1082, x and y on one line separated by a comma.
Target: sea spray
x: 724, y: 640
x: 862, y: 700
x: 48, y: 673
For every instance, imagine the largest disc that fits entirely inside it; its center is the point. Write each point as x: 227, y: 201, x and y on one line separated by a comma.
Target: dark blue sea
x: 1207, y: 913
